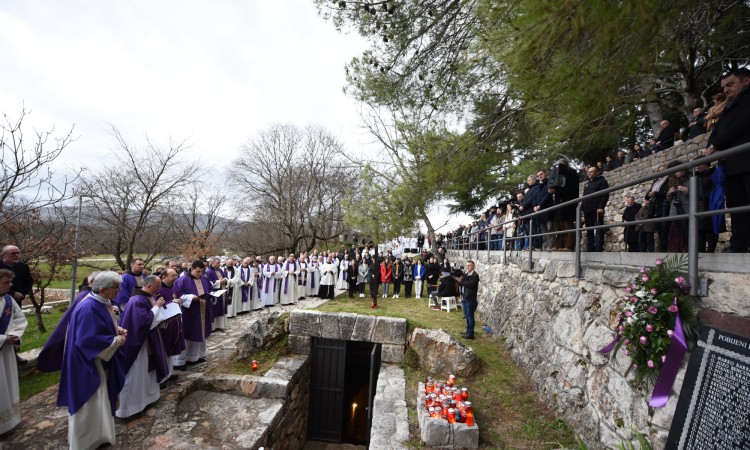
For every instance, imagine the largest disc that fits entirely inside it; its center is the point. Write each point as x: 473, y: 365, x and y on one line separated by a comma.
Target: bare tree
x: 293, y: 179
x: 28, y: 182
x: 201, y: 222
x: 47, y: 239
x: 130, y: 202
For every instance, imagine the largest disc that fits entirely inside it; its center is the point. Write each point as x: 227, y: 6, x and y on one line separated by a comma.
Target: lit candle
x: 464, y: 394
x: 254, y: 365
x: 451, y: 415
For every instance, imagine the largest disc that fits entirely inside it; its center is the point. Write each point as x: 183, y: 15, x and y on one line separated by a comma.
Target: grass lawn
x: 506, y: 406
x: 32, y: 337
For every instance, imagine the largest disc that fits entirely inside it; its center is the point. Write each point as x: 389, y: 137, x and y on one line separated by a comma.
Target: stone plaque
x: 713, y: 411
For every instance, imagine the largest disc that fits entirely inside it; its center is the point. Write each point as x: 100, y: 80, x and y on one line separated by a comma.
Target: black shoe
x: 468, y: 337
x: 179, y: 368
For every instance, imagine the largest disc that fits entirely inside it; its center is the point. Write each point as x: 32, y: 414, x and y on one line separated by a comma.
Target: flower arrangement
x: 655, y: 311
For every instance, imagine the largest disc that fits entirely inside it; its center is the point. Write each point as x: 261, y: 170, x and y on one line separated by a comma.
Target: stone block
x: 46, y: 309
x: 391, y: 353
x: 465, y: 436
x: 346, y: 325
x: 271, y: 388
x: 389, y: 330
x: 440, y: 352
x: 363, y: 328
x: 435, y: 432
x: 329, y: 326
x: 300, y: 344
x: 304, y: 322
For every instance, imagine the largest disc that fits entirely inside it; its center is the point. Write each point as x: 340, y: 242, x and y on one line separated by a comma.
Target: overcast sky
x: 212, y: 72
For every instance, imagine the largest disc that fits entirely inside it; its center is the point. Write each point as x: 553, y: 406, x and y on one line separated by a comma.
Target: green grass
x: 35, y: 382
x: 32, y: 337
x: 506, y: 406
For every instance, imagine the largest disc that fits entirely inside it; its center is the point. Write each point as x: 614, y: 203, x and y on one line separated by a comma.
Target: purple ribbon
x: 675, y: 354
x: 312, y: 278
x: 609, y: 347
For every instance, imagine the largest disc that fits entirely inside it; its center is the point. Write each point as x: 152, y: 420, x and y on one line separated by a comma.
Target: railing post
x: 489, y: 240
x: 693, y: 233
x: 530, y: 235
x: 505, y: 245
x: 578, y: 240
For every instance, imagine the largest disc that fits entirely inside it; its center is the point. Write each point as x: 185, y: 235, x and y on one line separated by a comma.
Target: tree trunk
x: 654, y: 116
x: 38, y: 309
x: 430, y: 233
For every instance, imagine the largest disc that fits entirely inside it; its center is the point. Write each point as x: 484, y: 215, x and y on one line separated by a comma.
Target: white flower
x: 641, y: 294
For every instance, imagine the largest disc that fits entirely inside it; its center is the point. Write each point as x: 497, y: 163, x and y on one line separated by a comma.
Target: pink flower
x: 643, y: 269
x: 643, y: 340
x: 634, y: 299
x: 652, y: 309
x: 629, y: 313
x: 649, y: 328
x: 673, y: 308
x: 659, y: 261
x: 670, y: 333
x: 679, y: 280
x: 620, y: 328
x: 650, y: 364
x: 663, y: 358
x: 627, y: 289
x: 645, y: 278
x: 635, y: 366
x: 654, y: 291
x: 626, y: 342
x: 625, y: 352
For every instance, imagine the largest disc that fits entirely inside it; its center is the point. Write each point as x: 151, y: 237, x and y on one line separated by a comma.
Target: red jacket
x: 386, y: 273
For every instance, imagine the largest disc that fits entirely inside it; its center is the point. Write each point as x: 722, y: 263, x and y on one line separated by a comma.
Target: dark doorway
x: 342, y: 387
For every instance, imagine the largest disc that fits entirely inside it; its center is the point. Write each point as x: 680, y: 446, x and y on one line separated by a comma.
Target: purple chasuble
x: 172, y: 334
x: 91, y: 331
x: 198, y: 319
x: 218, y: 306
x: 50, y: 358
x: 7, y: 313
x: 137, y: 319
x: 130, y: 281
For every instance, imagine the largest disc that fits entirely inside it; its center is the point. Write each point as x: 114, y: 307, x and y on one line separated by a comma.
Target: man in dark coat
x: 593, y: 209
x: 731, y: 130
x: 563, y: 187
x: 697, y: 126
x: 22, y: 281
x: 470, y: 287
x: 665, y: 139
x: 631, y: 234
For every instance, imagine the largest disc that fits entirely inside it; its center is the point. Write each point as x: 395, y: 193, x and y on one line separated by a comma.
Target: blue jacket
x: 419, y: 271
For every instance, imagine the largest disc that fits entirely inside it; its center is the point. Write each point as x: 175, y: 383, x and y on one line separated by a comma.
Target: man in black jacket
x: 593, y: 209
x: 665, y: 139
x: 22, y: 281
x: 731, y: 130
x: 448, y: 287
x: 630, y: 233
x: 563, y: 187
x: 470, y: 286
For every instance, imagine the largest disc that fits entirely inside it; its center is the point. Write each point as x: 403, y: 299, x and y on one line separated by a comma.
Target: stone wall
x: 291, y: 430
x: 553, y: 324
x: 636, y: 169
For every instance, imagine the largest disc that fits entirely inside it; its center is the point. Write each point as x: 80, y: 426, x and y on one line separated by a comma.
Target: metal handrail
x: 692, y: 216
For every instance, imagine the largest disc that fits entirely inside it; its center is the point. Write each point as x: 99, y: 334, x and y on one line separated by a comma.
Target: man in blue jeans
x: 469, y: 287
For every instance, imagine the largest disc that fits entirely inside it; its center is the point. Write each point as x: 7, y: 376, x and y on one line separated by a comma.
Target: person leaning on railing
x: 733, y: 129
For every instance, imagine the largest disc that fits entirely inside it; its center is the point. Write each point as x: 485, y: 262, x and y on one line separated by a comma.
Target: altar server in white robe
x: 270, y: 282
x: 313, y: 278
x: 256, y: 285
x: 342, y: 282
x: 289, y: 275
x: 234, y: 288
x: 304, y: 274
x: 12, y: 325
x: 327, y: 278
x: 279, y: 275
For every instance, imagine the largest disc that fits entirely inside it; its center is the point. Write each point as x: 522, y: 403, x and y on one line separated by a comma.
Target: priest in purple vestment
x: 91, y: 376
x: 131, y: 279
x: 143, y: 356
x: 219, y: 306
x: 172, y: 332
x: 197, y: 316
x: 51, y: 356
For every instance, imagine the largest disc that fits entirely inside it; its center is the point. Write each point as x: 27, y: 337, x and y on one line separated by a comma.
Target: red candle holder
x: 451, y: 415
x: 464, y: 394
x: 254, y: 365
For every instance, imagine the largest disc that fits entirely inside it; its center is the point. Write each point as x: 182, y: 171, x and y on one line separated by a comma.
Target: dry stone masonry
x: 553, y: 324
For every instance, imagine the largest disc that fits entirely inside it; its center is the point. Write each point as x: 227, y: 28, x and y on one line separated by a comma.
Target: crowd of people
x: 726, y: 184
x: 126, y: 333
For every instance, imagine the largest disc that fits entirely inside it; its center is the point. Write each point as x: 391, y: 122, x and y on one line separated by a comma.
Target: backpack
x: 555, y: 178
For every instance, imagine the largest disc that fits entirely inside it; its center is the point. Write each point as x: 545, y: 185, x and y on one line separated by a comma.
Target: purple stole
x: 218, y: 306
x: 343, y: 272
x: 7, y: 314
x: 246, y: 290
x: 260, y: 278
x: 230, y: 289
x: 275, y: 266
x: 286, y: 279
x: 312, y: 275
x: 173, y: 335
x: 303, y: 279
